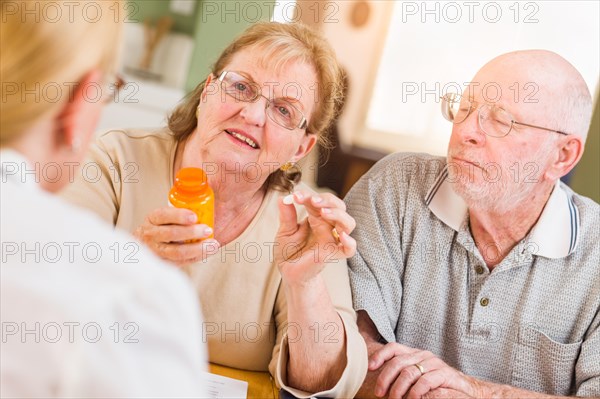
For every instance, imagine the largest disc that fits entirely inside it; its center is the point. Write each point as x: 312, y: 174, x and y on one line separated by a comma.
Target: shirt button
x: 484, y: 301
x: 479, y: 269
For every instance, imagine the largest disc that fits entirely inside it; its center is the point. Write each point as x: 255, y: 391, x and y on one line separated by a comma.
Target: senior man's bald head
x: 545, y: 86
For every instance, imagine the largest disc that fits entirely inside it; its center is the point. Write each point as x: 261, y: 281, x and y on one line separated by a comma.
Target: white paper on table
x: 219, y: 387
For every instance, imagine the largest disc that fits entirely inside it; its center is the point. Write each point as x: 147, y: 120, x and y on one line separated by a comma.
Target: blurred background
x: 400, y: 57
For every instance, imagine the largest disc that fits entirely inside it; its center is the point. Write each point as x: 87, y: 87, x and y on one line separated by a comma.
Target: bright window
x: 284, y: 11
x: 436, y: 46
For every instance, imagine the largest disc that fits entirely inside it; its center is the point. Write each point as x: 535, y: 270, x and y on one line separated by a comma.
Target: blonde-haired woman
x: 85, y: 311
x: 273, y: 282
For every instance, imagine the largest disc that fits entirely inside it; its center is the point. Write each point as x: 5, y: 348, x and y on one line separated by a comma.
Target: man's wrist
x: 479, y: 388
x: 486, y: 389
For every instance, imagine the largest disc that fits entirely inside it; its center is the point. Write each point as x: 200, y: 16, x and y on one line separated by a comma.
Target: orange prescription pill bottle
x: 191, y: 191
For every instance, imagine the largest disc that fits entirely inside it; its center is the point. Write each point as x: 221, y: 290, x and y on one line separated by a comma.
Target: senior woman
x: 273, y: 282
x: 76, y: 323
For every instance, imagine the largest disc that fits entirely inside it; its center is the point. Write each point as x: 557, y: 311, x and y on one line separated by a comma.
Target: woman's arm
x: 95, y: 184
x: 314, y: 273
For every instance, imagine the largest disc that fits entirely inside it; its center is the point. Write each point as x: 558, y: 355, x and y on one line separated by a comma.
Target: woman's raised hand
x: 304, y: 248
x: 172, y: 234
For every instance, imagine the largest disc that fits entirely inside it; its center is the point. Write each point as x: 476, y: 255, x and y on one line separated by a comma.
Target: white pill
x: 288, y: 199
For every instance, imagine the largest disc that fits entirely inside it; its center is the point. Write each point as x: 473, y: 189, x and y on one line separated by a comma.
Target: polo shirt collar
x: 555, y: 235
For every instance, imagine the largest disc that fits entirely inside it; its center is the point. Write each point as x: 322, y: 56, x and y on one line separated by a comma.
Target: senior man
x: 478, y: 275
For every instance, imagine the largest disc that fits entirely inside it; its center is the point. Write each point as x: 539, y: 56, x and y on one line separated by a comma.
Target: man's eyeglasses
x: 493, y: 120
x: 279, y: 110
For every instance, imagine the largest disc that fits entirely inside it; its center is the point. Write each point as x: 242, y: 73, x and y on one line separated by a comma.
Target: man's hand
x: 412, y: 373
x: 393, y: 372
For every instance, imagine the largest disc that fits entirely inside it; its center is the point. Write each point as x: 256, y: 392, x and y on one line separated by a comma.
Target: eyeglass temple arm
x: 303, y: 123
x: 539, y: 127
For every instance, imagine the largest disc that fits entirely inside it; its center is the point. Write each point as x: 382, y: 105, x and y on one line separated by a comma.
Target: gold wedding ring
x: 421, y: 368
x: 335, y: 234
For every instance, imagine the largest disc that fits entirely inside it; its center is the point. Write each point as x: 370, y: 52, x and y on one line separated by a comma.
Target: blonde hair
x: 47, y: 47
x: 279, y: 44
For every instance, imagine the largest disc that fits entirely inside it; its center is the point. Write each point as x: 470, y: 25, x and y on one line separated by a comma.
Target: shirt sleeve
x: 338, y: 286
x: 105, y: 329
x: 377, y: 267
x: 153, y: 347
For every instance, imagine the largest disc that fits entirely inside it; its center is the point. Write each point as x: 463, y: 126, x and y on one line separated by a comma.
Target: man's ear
x: 306, y: 145
x: 78, y: 119
x: 570, y: 150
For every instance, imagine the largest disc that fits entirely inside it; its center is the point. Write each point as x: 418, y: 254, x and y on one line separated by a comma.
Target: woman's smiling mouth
x: 242, y: 138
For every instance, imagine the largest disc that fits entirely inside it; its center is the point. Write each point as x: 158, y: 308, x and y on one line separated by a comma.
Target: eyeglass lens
x: 279, y: 110
x: 493, y: 120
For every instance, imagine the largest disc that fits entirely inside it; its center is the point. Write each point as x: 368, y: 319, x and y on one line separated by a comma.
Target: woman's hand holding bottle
x: 174, y: 235
x: 183, y: 233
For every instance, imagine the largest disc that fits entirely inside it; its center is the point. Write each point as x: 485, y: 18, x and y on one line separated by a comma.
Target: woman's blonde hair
x: 47, y: 47
x: 279, y: 44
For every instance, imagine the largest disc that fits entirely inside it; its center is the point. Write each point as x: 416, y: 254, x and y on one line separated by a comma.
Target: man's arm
x: 492, y: 390
x: 392, y: 374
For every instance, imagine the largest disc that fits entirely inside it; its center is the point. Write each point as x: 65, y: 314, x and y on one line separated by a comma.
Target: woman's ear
x: 570, y: 150
x: 209, y: 87
x: 77, y: 121
x: 306, y: 145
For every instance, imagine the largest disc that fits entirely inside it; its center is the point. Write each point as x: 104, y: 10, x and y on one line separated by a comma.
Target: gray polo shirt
x: 533, y: 322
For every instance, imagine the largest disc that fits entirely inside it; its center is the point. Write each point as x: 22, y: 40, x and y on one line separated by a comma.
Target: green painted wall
x: 213, y: 25
x: 217, y: 24
x: 140, y: 10
x: 586, y: 177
